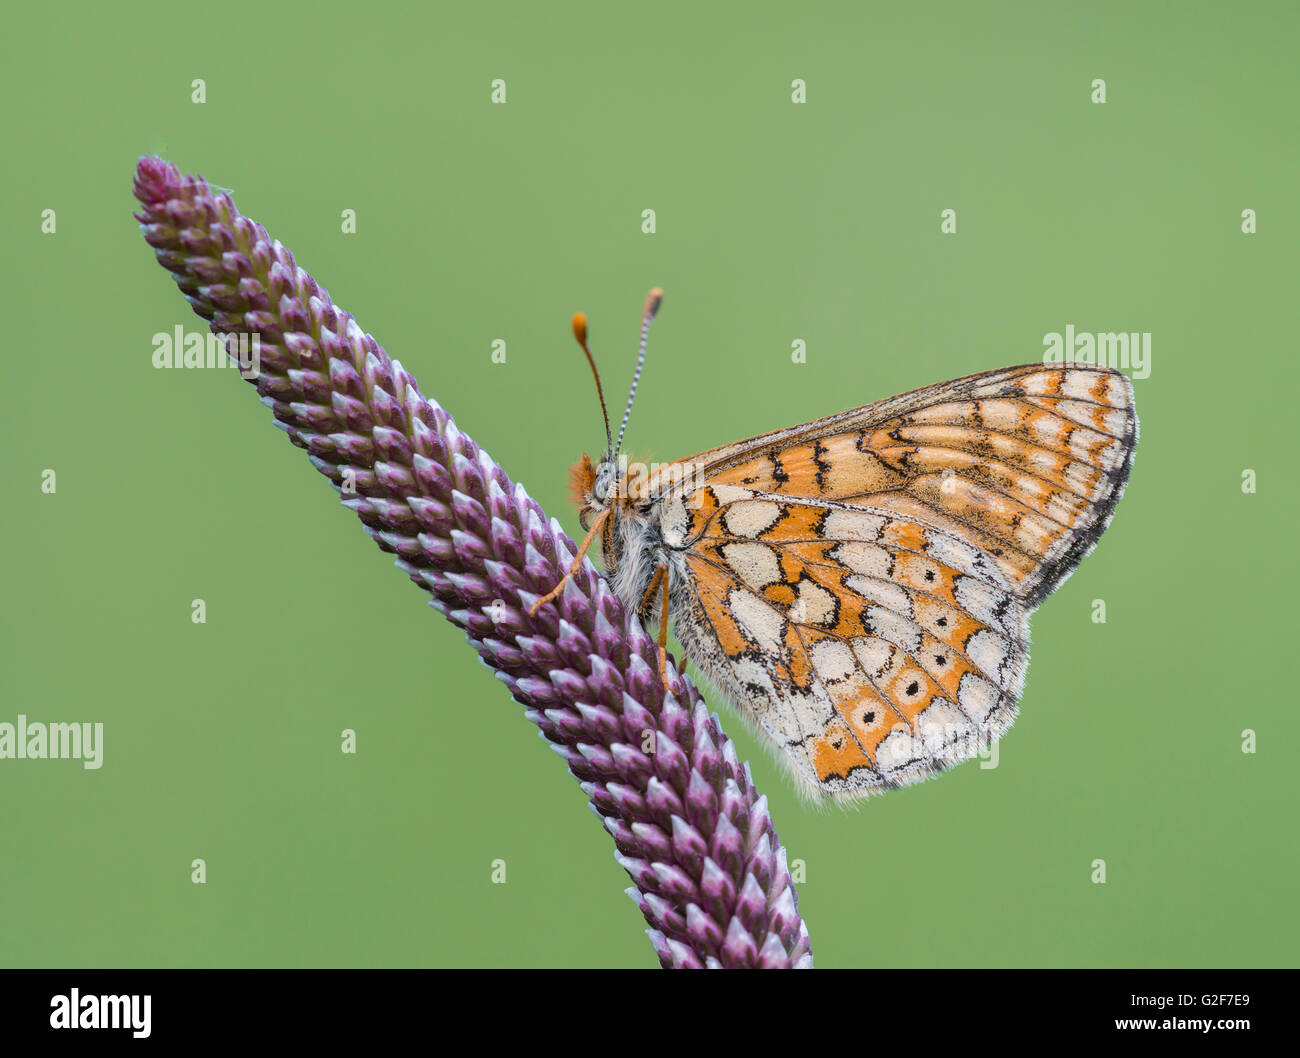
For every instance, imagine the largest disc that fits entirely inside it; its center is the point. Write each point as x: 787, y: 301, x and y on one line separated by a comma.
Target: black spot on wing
x: 778, y: 471
x: 823, y: 467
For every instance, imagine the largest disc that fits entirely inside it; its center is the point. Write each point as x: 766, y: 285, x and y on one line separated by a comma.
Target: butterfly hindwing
x: 872, y: 648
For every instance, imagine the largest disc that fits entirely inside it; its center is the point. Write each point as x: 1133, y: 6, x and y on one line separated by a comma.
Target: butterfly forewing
x: 862, y: 584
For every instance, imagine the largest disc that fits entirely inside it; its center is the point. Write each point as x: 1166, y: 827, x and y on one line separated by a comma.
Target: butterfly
x: 860, y: 586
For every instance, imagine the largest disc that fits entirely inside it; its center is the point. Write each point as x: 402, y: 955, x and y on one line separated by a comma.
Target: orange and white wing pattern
x: 873, y: 649
x: 862, y: 585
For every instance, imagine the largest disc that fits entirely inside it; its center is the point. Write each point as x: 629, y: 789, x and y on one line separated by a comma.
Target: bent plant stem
x: 709, y: 873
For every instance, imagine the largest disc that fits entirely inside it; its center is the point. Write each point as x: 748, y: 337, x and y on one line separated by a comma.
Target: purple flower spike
x: 695, y: 837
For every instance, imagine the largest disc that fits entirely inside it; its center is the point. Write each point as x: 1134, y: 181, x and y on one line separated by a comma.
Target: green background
x: 774, y: 222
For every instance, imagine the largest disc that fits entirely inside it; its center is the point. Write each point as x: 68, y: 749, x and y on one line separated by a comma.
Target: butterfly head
x: 594, y: 487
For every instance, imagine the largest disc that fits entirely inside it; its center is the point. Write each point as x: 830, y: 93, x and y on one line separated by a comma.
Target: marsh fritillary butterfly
x: 860, y: 587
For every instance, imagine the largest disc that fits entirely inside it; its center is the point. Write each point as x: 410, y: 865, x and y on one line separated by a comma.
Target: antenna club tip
x: 653, y: 301
x: 580, y: 326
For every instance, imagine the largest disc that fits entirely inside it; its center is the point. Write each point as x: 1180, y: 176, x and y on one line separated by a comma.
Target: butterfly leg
x: 660, y: 576
x: 577, y: 563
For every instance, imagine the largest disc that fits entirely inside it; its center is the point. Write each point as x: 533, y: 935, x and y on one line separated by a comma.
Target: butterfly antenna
x: 580, y: 332
x: 652, y: 302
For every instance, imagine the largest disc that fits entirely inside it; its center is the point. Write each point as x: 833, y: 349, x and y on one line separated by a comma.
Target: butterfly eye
x: 603, y: 484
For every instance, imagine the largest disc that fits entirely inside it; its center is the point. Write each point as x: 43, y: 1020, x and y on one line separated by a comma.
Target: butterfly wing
x: 1027, y: 463
x: 872, y: 648
x: 822, y: 559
